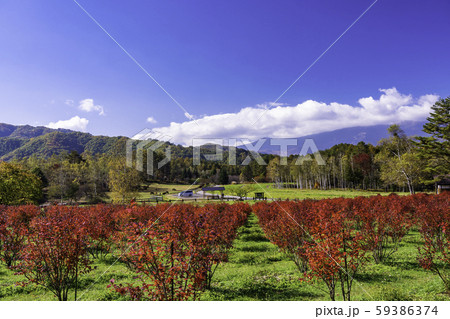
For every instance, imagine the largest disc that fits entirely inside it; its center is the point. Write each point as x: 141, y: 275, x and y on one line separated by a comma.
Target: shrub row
x: 174, y: 249
x: 332, y: 239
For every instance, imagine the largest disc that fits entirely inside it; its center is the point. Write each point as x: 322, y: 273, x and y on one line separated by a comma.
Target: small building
x: 213, y: 189
x: 443, y: 185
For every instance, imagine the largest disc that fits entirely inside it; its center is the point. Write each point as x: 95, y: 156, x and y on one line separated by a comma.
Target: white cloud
x: 69, y: 102
x: 88, y: 105
x: 309, y: 117
x: 151, y: 119
x: 269, y: 105
x: 75, y: 123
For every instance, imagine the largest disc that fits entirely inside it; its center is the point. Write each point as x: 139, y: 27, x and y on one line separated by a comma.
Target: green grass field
x: 268, y: 188
x: 292, y: 193
x: 256, y: 270
x: 157, y: 189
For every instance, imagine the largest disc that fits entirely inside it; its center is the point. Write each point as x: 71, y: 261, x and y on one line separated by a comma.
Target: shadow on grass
x: 243, y: 231
x: 263, y: 290
x: 274, y: 259
x: 373, y: 278
x: 85, y: 282
x: 254, y: 248
x: 108, y: 260
x: 404, y: 265
x: 4, y: 273
x: 254, y: 236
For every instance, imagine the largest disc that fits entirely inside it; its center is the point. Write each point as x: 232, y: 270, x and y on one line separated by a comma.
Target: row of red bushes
x: 332, y: 239
x: 174, y: 249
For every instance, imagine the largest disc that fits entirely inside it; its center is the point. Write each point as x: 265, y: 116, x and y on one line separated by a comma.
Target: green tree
x: 74, y: 158
x: 272, y: 171
x: 18, y: 185
x: 97, y: 177
x: 247, y: 174
x: 61, y: 178
x: 124, y: 181
x: 40, y: 174
x: 435, y: 149
x: 223, y: 176
x: 399, y: 161
x: 243, y: 190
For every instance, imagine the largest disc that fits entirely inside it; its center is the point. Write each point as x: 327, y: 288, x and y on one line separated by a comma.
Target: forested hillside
x: 18, y: 142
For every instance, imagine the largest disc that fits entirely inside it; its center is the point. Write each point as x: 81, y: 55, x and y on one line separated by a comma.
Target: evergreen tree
x: 247, y: 174
x: 223, y: 176
x: 436, y: 147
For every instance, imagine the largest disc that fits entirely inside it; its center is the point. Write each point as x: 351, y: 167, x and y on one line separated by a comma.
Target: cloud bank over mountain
x: 306, y: 118
x: 75, y: 123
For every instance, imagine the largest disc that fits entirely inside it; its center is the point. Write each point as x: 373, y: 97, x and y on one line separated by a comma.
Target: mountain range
x: 23, y: 141
x: 353, y: 135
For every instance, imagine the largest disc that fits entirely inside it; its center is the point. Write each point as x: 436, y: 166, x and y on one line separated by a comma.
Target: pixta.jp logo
x: 147, y: 142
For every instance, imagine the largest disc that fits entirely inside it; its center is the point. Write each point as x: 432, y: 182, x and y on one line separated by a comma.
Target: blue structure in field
x: 216, y: 188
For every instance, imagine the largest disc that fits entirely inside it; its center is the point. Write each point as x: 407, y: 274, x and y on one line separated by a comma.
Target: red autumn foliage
x: 321, y: 237
x: 55, y: 252
x: 328, y: 239
x: 100, y: 227
x: 14, y: 222
x: 384, y: 221
x: 175, y: 249
x: 286, y: 225
x: 434, y: 215
x: 338, y: 247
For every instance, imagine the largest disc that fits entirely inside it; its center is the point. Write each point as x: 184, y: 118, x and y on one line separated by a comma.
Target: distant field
x: 292, y: 193
x: 268, y: 188
x: 158, y: 189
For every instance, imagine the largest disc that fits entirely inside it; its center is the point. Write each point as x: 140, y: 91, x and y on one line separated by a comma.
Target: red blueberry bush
x: 329, y: 239
x: 383, y: 221
x: 14, y: 226
x: 434, y: 226
x: 321, y: 237
x: 175, y: 249
x: 55, y: 253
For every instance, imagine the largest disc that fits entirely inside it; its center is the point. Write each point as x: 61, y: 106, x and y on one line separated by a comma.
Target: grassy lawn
x: 268, y: 188
x: 293, y: 193
x: 157, y: 189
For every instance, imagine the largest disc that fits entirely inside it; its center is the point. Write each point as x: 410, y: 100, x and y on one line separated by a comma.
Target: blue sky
x: 221, y: 60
